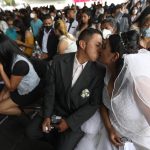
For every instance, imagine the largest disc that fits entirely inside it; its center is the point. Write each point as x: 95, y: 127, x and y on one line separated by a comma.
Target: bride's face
x: 107, y: 57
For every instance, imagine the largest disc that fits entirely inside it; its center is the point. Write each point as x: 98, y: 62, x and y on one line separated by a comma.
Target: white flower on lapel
x: 85, y: 93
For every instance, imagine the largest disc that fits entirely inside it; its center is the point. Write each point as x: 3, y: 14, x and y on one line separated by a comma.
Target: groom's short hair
x: 87, y: 34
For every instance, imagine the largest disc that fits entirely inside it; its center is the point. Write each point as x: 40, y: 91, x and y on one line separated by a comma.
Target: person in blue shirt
x: 11, y: 31
x: 35, y: 23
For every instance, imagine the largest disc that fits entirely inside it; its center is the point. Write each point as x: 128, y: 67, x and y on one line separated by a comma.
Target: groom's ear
x: 82, y: 44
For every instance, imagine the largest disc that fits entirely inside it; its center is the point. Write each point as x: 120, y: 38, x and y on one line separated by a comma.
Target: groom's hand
x: 46, y: 125
x: 62, y: 126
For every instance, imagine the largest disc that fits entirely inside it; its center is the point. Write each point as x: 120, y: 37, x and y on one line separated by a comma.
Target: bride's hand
x: 114, y: 137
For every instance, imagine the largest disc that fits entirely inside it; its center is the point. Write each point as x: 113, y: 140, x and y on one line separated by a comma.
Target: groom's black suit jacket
x: 66, y: 101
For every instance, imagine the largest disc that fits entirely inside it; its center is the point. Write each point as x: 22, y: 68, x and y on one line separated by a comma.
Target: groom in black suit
x: 75, y: 90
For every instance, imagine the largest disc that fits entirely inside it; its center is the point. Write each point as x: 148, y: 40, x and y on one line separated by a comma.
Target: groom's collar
x: 77, y: 63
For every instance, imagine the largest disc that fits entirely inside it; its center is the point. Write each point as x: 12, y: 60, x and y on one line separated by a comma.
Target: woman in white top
x: 22, y: 83
x: 126, y: 99
x: 67, y: 42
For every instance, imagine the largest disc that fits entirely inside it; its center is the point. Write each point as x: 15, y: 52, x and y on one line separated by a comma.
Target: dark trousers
x: 61, y: 141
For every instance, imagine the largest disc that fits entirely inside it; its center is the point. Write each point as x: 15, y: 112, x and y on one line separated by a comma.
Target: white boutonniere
x: 85, y: 93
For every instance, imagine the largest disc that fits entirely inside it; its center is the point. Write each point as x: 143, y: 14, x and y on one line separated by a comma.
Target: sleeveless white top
x: 30, y: 80
x: 72, y: 46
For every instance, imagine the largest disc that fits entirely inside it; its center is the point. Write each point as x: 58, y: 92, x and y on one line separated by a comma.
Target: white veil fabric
x: 131, y: 98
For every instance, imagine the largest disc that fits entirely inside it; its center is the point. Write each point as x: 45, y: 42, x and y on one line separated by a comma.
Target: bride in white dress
x: 126, y: 99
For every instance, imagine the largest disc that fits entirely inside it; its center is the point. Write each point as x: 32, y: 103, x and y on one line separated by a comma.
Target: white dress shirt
x: 44, y: 41
x: 77, y: 70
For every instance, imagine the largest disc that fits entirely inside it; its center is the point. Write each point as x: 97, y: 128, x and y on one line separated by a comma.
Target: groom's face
x: 93, y: 46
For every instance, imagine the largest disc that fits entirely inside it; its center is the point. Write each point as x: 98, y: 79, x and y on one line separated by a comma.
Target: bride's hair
x: 124, y: 43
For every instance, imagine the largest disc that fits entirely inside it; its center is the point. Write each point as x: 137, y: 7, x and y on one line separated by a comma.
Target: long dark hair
x: 8, y: 51
x: 124, y: 43
x: 88, y: 13
x: 19, y: 24
x: 127, y: 42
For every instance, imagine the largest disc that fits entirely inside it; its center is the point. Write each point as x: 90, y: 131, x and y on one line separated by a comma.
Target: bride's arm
x: 12, y: 83
x: 105, y: 117
x: 113, y: 135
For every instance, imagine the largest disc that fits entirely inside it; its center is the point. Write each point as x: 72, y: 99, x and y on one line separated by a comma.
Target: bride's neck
x: 113, y: 70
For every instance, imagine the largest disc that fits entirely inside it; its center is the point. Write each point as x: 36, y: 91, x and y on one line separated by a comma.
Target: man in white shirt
x: 74, y: 92
x: 71, y: 23
x: 47, y: 39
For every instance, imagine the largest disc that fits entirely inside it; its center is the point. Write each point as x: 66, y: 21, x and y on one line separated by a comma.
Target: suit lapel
x: 66, y: 70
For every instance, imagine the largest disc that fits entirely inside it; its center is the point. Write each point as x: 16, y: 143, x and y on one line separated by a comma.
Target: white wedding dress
x: 124, y: 113
x: 96, y: 137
